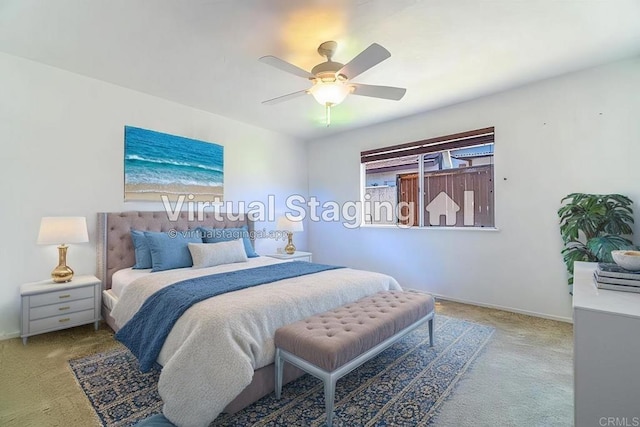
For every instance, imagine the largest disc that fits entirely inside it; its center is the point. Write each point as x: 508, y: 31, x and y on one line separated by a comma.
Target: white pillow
x: 212, y: 254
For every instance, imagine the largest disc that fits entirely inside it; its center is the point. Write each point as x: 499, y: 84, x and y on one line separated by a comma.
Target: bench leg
x: 431, y: 332
x: 329, y: 397
x: 279, y: 368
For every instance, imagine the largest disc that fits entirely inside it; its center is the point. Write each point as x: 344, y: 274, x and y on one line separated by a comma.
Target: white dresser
x: 48, y: 306
x: 606, y: 357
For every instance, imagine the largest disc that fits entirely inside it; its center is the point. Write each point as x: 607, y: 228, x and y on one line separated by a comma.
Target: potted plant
x: 593, y: 225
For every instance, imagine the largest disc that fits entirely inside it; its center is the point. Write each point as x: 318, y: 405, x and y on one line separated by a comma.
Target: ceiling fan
x: 332, y: 80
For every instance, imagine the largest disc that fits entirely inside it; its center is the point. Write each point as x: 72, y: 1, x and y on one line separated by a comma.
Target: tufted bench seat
x: 332, y: 344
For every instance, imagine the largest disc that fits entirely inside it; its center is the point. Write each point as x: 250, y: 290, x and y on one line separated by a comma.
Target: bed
x: 219, y: 355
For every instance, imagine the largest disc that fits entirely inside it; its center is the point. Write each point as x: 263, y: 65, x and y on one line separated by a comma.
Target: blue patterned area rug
x: 403, y: 386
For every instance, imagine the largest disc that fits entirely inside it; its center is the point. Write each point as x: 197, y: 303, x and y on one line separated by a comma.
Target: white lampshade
x: 332, y: 93
x: 59, y: 230
x: 285, y: 224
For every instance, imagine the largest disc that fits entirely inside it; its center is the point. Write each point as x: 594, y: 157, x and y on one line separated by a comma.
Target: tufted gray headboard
x: 115, y: 248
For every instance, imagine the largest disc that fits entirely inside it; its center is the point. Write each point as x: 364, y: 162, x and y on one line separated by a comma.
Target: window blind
x: 431, y: 145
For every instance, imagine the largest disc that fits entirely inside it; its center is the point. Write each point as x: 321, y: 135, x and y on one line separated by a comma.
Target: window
x: 438, y: 182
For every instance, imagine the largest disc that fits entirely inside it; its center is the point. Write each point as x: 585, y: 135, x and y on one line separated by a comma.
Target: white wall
x: 576, y: 133
x: 62, y: 154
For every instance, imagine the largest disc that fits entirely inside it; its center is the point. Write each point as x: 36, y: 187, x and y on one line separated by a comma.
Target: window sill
x: 429, y: 228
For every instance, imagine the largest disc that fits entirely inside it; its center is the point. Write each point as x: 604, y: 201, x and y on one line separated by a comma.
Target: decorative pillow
x: 169, y: 252
x: 141, y: 250
x: 217, y: 235
x: 212, y: 254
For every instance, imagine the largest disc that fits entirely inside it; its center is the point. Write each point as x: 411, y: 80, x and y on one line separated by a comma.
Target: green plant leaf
x: 602, y: 246
x: 576, y: 252
x: 619, y: 215
x: 584, y: 217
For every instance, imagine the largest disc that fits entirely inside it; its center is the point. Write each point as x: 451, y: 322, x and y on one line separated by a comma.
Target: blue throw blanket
x: 147, y: 330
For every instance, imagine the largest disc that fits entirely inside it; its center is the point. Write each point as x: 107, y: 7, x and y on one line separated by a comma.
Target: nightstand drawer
x: 61, y: 308
x: 62, y: 321
x: 61, y: 296
x: 296, y: 256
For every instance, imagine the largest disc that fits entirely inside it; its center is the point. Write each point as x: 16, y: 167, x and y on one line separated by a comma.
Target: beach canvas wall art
x: 157, y: 164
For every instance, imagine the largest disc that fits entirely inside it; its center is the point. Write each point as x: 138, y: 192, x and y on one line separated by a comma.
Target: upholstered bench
x: 332, y: 344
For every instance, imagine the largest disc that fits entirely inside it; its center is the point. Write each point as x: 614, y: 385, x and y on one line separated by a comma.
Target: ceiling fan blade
x: 284, y: 97
x: 368, y: 58
x: 385, y: 92
x: 285, y: 66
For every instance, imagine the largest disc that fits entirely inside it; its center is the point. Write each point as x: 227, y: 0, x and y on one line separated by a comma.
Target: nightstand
x: 49, y: 306
x: 297, y: 255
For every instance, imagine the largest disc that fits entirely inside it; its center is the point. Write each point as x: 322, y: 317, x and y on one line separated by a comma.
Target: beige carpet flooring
x: 522, y: 378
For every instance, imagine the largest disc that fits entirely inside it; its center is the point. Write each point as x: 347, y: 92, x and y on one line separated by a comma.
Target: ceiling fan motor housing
x: 326, y: 71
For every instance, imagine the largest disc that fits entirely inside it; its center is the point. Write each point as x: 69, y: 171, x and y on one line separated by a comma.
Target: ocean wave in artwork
x: 182, y: 180
x: 136, y: 158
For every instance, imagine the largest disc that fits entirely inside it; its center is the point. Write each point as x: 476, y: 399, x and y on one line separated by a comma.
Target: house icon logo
x: 441, y: 205
x: 444, y: 205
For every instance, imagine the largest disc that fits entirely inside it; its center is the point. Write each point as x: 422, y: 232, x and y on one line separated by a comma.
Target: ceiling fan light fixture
x: 330, y: 93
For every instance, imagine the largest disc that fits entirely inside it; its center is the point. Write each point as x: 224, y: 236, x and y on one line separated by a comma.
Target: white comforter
x: 211, y: 353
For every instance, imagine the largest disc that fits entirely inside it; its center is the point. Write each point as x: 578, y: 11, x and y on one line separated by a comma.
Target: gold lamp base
x: 290, y: 249
x: 62, y: 273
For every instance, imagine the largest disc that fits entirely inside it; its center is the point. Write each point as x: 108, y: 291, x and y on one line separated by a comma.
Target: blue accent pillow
x: 217, y: 235
x: 169, y: 251
x: 141, y: 250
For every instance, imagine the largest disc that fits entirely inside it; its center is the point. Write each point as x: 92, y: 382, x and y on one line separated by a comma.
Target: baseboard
x: 9, y: 336
x: 511, y: 309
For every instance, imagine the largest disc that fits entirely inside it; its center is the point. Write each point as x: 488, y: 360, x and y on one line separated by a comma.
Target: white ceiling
x: 204, y: 53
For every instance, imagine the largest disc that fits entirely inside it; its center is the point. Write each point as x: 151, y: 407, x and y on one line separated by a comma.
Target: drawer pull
x: 64, y: 296
x: 64, y: 308
x: 66, y: 319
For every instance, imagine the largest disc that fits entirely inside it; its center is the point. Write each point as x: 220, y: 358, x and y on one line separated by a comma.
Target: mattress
x: 109, y: 299
x: 123, y: 278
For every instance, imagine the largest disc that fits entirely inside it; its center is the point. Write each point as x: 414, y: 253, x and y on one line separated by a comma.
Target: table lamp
x: 285, y: 224
x: 60, y: 231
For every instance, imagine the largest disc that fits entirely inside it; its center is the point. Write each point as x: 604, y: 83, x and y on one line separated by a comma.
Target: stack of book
x: 613, y: 277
